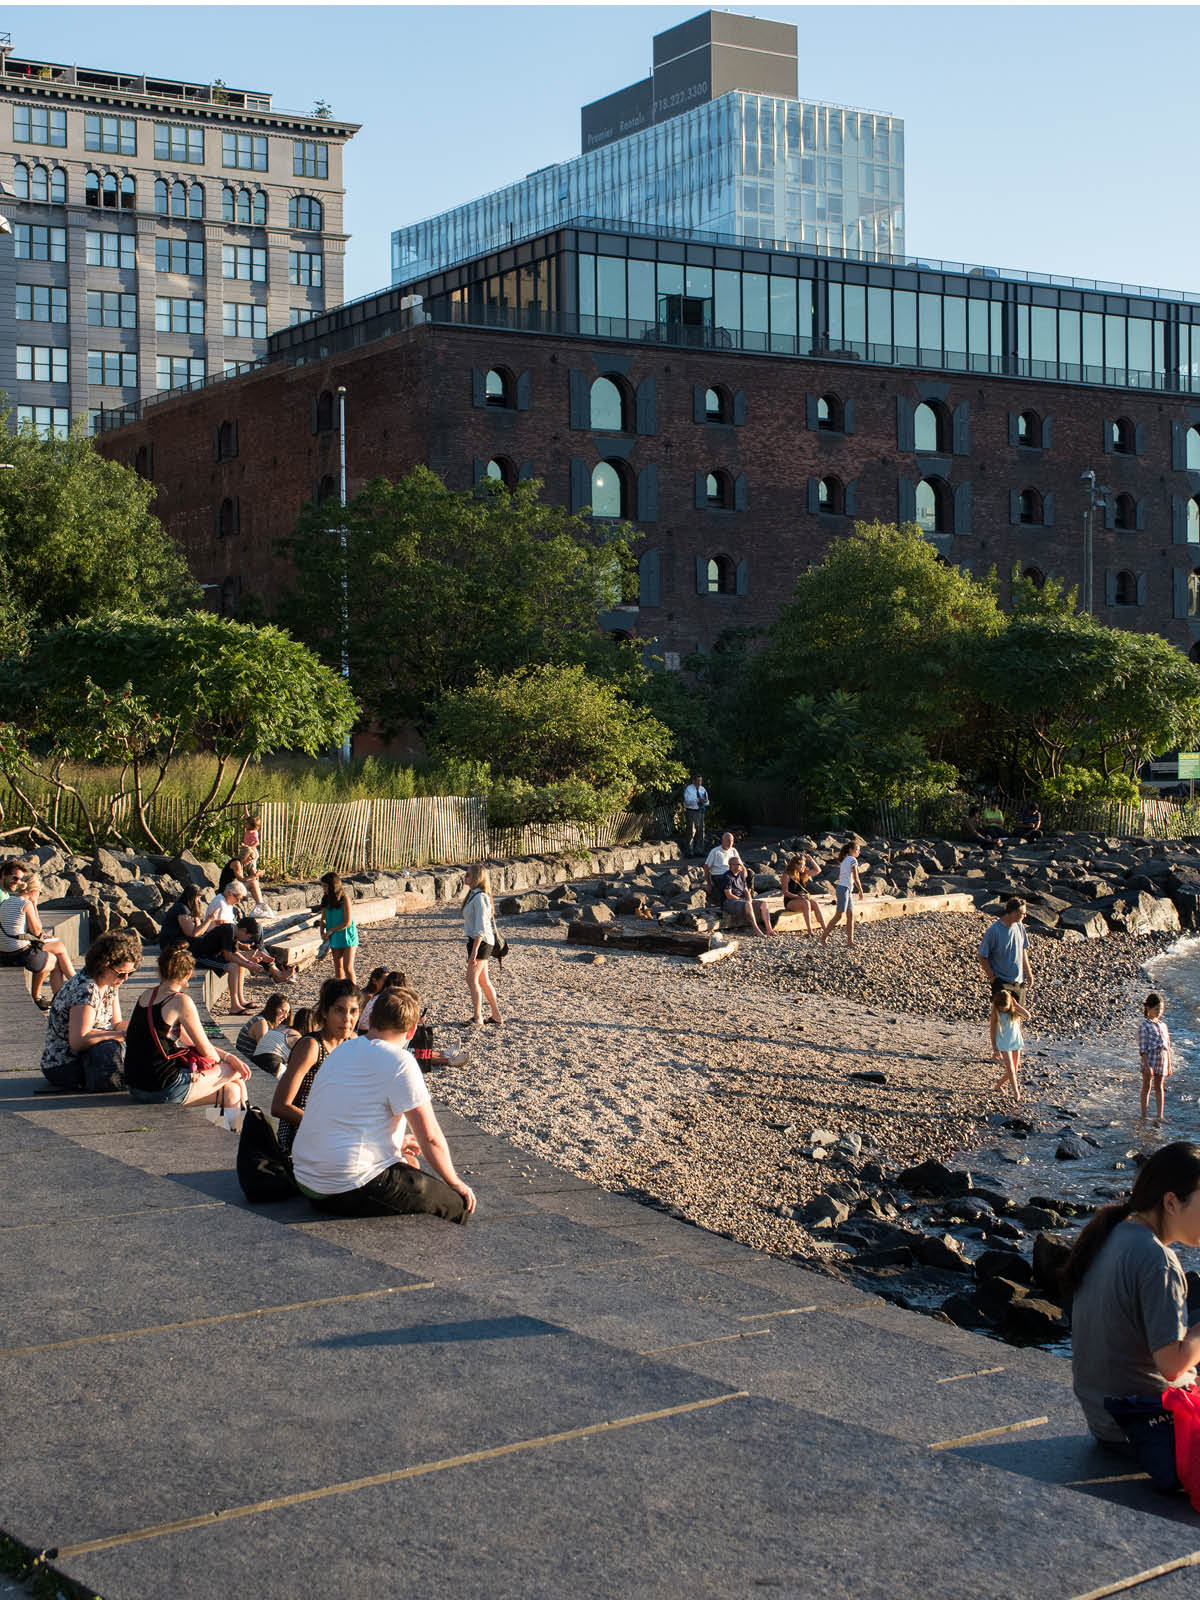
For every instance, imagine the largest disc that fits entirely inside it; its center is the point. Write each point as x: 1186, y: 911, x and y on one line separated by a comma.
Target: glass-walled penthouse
x: 638, y: 285
x: 814, y: 176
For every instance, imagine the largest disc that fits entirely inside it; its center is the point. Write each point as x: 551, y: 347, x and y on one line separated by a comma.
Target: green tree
x: 560, y: 743
x: 1067, y: 693
x: 428, y: 585
x: 1052, y: 598
x: 77, y: 536
x: 138, y: 691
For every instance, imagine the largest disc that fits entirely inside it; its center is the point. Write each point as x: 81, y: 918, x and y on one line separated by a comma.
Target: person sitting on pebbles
x: 739, y: 896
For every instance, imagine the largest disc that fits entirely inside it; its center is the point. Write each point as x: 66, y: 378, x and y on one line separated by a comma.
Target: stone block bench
x: 871, y: 908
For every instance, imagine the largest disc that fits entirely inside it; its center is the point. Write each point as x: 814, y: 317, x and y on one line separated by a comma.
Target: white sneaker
x: 458, y: 1059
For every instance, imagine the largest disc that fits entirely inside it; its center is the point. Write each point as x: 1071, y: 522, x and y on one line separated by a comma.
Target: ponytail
x: 1174, y: 1169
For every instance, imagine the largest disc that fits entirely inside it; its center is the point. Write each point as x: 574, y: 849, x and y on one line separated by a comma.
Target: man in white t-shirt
x: 716, y: 865
x: 368, y: 1113
x: 695, y: 804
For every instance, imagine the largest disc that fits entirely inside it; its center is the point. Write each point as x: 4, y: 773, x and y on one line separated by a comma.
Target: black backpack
x: 263, y: 1170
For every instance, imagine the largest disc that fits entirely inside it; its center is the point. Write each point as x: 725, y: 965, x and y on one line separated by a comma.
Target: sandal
x: 42, y: 1003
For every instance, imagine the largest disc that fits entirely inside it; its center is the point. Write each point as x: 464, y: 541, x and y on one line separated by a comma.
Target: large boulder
x: 1092, y: 924
x: 188, y: 868
x: 106, y: 868
x: 144, y: 893
x: 932, y: 1177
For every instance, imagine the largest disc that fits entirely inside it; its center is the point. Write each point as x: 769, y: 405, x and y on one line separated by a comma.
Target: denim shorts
x: 174, y: 1094
x: 845, y: 895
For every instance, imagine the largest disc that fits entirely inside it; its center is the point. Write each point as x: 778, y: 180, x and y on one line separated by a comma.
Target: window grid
x: 247, y: 206
x: 305, y: 213
x: 115, y: 369
x: 37, y: 302
x: 109, y: 308
x: 244, y: 150
x: 50, y: 422
x: 178, y: 316
x: 178, y: 144
x: 40, y: 363
x: 182, y: 256
x: 48, y: 187
x: 309, y: 159
x: 35, y: 243
x: 111, y: 249
x: 245, y: 261
x: 244, y: 321
x: 116, y: 136
x: 39, y: 125
x: 176, y: 372
x: 305, y: 267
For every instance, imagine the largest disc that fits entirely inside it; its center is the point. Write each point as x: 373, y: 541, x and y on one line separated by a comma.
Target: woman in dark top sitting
x: 182, y: 919
x: 739, y: 894
x: 794, y: 883
x: 165, y: 1020
x: 335, y: 1017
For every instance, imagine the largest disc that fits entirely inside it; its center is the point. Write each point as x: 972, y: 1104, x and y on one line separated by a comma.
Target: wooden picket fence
x: 1145, y: 819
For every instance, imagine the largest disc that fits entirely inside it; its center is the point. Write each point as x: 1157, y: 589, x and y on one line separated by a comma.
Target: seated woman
x: 165, y: 1022
x: 22, y: 942
x: 422, y: 1040
x: 336, y: 1014
x: 740, y: 897
x: 369, y: 990
x: 368, y: 1118
x: 276, y: 1045
x: 215, y: 940
x: 85, y: 1033
x: 276, y: 1010
x: 235, y: 868
x: 1030, y: 826
x: 793, y: 880
x: 183, y: 919
x: 1133, y: 1333
x: 248, y: 860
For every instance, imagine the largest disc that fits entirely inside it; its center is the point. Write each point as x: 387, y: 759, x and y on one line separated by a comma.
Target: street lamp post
x: 1095, y: 502
x: 343, y: 543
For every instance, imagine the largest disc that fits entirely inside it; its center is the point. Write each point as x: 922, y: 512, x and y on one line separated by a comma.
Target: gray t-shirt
x: 1002, y: 947
x: 1132, y: 1301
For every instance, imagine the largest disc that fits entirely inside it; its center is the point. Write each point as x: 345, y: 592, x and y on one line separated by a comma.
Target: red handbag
x: 188, y: 1058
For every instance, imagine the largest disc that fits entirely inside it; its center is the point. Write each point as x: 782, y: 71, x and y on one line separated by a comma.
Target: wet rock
x: 880, y: 1256
x: 1071, y: 1148
x: 962, y: 1310
x: 1033, y: 1321
x: 995, y: 1295
x: 1004, y: 1229
x: 945, y: 1253
x: 1050, y: 1252
x: 1003, y: 1264
x: 1035, y: 1216
x: 932, y: 1177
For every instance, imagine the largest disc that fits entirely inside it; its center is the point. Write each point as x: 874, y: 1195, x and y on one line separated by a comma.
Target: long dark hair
x: 332, y: 990
x: 333, y: 889
x: 1175, y: 1169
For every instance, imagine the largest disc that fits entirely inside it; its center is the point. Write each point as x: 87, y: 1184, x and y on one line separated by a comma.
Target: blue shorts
x: 174, y: 1094
x: 845, y: 895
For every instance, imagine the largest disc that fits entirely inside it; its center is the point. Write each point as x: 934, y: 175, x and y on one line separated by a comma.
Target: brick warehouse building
x: 741, y: 405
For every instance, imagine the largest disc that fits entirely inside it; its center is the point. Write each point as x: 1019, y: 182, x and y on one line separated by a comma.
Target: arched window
x: 609, y: 497
x: 1194, y: 653
x: 227, y: 519
x: 325, y: 411
x: 178, y: 199
x: 243, y: 206
x: 1193, y: 521
x: 230, y: 592
x: 226, y: 441
x: 716, y: 405
x: 109, y: 191
x: 305, y: 212
x: 1193, y: 450
x: 1031, y: 506
x: 830, y: 413
x: 327, y: 489
x: 40, y: 184
x: 717, y: 489
x: 1125, y: 513
x: 91, y: 189
x: 931, y: 505
x: 1126, y: 589
x: 142, y: 460
x: 1123, y: 436
x: 196, y: 202
x: 21, y: 181
x: 58, y: 187
x: 722, y: 575
x: 500, y: 468
x: 1194, y: 594
x: 160, y: 196
x: 1035, y: 576
x: 497, y: 387
x: 929, y: 428
x: 608, y: 407
x: 831, y: 497
x: 128, y: 194
x: 1029, y: 429
x: 228, y: 204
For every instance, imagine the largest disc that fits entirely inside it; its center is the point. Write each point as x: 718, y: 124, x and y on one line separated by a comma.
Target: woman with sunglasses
x: 85, y: 1032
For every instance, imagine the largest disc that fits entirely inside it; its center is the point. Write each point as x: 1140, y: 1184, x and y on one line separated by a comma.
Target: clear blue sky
x: 1059, y: 138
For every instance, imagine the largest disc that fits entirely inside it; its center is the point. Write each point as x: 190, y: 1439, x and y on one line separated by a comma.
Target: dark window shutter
x: 701, y: 574
x: 237, y: 515
x: 1110, y: 513
x: 848, y: 417
x: 1110, y: 588
x: 525, y: 472
x: 646, y: 406
x: 1048, y: 510
x: 962, y: 508
x: 962, y: 429
x: 1179, y: 592
x: 1178, y: 520
x: 1141, y: 588
x: 478, y: 470
x: 1014, y: 506
x: 1047, y: 432
x: 699, y: 403
x: 1014, y: 428
x: 810, y: 408
x: 1178, y: 447
x: 905, y: 430
x: 739, y: 407
x: 850, y: 504
x: 233, y: 438
x: 814, y: 496
x: 1107, y: 441
x: 217, y: 516
x: 316, y: 418
x: 650, y: 579
x: 906, y: 497
x: 216, y: 444
x: 581, y: 484
x: 647, y: 494
x: 742, y: 578
x: 701, y: 491
x: 522, y: 392
x: 580, y: 399
x: 739, y: 492
x: 1139, y: 518
x: 478, y: 387
x: 1139, y: 440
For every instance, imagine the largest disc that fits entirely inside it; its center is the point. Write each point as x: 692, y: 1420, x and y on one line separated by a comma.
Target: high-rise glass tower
x: 715, y: 141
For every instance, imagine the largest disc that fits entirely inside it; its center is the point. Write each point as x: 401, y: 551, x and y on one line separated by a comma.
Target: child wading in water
x: 1007, y: 1039
x: 1154, y: 1045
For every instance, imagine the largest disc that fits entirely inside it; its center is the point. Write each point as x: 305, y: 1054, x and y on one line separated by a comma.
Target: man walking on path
x: 1004, y: 953
x: 695, y: 805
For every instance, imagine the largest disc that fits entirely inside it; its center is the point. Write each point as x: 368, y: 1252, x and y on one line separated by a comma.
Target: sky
x: 1052, y: 138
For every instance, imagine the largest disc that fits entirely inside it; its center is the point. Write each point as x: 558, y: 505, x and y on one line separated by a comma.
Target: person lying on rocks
x: 85, y: 1032
x: 739, y: 897
x: 368, y: 1116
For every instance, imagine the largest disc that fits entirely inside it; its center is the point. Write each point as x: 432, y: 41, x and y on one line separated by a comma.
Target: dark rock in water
x: 1000, y: 1203
x: 931, y: 1177
x: 1071, y: 1148
x: 885, y: 1256
x: 1033, y: 1320
x: 945, y: 1253
x: 1036, y: 1217
x: 871, y: 1172
x: 1003, y: 1264
x: 962, y: 1311
x: 1006, y: 1230
x: 867, y: 1077
x: 995, y: 1295
x: 967, y: 1209
x: 1050, y: 1252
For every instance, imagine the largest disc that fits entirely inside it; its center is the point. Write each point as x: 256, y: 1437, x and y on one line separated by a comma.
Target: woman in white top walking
x: 849, y: 884
x: 479, y: 919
